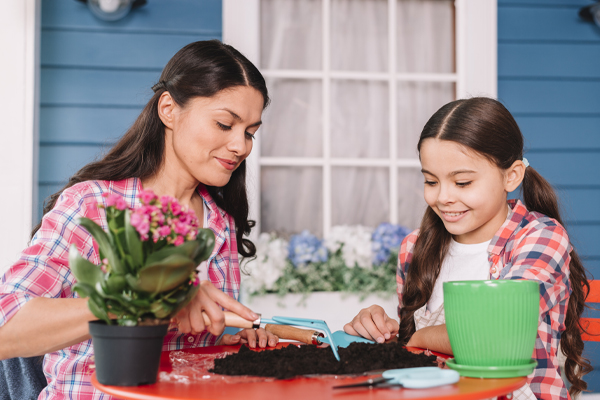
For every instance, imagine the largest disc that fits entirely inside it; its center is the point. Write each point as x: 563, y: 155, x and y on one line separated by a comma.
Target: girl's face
x: 208, y: 138
x: 464, y: 189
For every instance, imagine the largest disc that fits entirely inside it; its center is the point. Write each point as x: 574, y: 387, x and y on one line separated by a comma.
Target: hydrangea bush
x: 354, y: 259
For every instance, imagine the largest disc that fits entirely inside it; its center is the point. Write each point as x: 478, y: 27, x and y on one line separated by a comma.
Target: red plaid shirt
x: 529, y: 245
x: 43, y: 270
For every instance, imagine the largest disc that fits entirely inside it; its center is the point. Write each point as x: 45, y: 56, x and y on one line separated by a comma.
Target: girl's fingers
x: 227, y: 340
x: 272, y: 339
x: 262, y: 338
x: 250, y: 335
x: 368, y: 329
x: 349, y: 329
x: 379, y: 320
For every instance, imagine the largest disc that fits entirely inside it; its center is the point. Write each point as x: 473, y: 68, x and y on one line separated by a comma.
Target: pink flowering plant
x: 149, y: 258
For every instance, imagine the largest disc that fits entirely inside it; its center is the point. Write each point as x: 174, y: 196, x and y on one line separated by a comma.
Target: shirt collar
x: 517, y: 212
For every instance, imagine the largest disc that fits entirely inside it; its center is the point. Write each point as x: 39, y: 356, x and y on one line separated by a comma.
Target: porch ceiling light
x: 112, y: 10
x: 591, y: 13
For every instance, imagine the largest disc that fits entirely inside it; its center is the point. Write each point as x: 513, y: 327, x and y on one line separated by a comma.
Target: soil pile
x: 292, y: 360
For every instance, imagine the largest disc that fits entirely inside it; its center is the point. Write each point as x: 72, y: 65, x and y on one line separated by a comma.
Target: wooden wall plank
x: 580, y: 204
x: 112, y: 49
x: 566, y: 168
x: 167, y: 16
x: 549, y: 132
x: 96, y: 87
x: 547, y: 96
x: 85, y: 125
x: 538, y: 60
x: 584, y: 238
x: 544, y: 24
x: 58, y: 163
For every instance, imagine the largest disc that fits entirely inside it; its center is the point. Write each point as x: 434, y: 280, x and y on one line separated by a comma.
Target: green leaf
x: 160, y: 309
x: 83, y: 289
x: 206, y: 239
x: 187, y: 249
x: 184, y: 302
x: 165, y: 275
x: 98, y: 308
x: 134, y: 244
x: 104, y: 244
x: 84, y: 271
x: 115, y: 283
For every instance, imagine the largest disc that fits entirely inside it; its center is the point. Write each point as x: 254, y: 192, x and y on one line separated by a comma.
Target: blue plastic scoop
x: 343, y: 339
x: 410, y: 378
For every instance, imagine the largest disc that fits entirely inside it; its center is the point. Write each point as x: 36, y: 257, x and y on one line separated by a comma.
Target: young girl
x: 189, y: 142
x: 471, y: 153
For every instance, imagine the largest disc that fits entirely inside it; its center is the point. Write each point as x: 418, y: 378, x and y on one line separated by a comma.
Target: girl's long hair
x: 200, y: 69
x: 487, y: 127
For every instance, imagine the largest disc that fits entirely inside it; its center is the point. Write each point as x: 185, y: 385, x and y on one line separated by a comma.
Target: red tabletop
x: 180, y: 383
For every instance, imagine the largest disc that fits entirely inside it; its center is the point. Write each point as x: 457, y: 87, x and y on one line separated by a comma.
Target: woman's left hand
x: 250, y: 336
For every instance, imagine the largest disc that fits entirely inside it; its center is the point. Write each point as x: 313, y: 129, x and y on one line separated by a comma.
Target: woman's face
x: 209, y: 138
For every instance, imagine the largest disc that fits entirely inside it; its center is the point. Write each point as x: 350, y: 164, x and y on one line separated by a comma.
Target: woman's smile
x: 229, y: 165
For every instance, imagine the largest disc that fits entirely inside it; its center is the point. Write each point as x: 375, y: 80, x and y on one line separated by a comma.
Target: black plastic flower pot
x: 127, y: 355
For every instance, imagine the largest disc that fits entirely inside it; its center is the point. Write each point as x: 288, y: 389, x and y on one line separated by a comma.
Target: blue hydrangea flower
x: 306, y: 248
x: 385, y: 238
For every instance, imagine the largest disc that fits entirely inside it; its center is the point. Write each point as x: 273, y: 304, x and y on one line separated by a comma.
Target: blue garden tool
x: 410, y: 378
x: 307, y: 323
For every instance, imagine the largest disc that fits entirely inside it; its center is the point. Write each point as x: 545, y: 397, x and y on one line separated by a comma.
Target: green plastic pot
x: 492, y: 323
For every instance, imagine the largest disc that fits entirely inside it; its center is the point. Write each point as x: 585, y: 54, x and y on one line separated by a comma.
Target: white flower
x: 263, y: 272
x: 356, y: 242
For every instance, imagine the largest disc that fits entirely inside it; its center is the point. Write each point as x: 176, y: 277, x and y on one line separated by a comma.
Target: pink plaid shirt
x: 529, y: 245
x: 43, y: 270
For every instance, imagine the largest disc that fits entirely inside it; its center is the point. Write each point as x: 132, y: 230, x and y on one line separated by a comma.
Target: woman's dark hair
x: 200, y: 69
x: 487, y: 127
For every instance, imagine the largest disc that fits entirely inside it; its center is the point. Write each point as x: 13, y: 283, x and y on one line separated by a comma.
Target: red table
x: 297, y: 389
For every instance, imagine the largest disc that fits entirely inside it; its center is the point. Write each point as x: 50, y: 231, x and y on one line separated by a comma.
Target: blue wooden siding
x: 549, y: 78
x: 96, y: 76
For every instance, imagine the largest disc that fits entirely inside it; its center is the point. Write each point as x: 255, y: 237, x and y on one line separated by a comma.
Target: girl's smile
x: 465, y: 190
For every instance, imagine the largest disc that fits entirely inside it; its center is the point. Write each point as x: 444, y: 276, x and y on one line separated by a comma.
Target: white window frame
x: 19, y: 41
x: 476, y: 74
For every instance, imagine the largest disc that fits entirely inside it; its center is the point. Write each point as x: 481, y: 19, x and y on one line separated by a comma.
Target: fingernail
x: 235, y: 337
x: 271, y: 342
x: 253, y: 344
x: 387, y: 336
x: 263, y: 343
x: 254, y: 316
x: 380, y: 340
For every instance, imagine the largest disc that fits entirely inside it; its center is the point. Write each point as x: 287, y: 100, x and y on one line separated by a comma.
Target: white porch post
x: 19, y: 44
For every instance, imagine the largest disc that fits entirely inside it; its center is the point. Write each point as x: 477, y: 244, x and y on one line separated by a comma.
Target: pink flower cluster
x: 163, y: 218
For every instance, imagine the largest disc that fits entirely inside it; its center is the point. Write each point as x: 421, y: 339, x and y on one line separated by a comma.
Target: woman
x: 189, y: 142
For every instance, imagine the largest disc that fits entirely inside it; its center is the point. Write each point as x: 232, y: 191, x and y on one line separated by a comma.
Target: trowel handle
x: 289, y: 332
x: 232, y: 320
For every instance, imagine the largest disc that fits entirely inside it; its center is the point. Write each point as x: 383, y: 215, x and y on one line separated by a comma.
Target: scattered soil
x: 293, y: 360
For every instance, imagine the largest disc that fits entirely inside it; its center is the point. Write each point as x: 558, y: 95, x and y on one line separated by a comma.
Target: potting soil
x: 292, y: 360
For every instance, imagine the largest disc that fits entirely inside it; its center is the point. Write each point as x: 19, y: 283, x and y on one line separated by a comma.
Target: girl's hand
x: 373, y: 323
x: 210, y: 300
x: 251, y: 337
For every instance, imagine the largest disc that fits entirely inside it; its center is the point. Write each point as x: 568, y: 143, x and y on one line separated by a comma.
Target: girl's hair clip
x: 525, y: 162
x: 159, y: 85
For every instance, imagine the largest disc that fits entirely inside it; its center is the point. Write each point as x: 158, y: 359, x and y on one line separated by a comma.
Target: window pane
x: 360, y: 196
x: 360, y: 119
x: 293, y: 121
x: 411, y: 204
x: 416, y: 104
x: 359, y: 35
x: 291, y: 34
x: 291, y: 200
x: 425, y: 36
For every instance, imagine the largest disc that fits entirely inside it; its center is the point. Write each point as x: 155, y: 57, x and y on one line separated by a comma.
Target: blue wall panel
x: 549, y: 77
x: 96, y: 76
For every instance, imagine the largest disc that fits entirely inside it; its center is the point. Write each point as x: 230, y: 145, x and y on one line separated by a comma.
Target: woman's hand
x: 373, y: 323
x: 210, y: 300
x: 251, y: 337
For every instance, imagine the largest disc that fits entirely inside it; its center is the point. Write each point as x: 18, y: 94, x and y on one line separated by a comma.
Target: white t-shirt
x: 203, y: 267
x: 464, y: 262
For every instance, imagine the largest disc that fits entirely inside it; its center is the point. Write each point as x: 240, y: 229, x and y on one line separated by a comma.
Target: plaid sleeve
x: 42, y: 269
x: 541, y: 253
x: 404, y: 259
